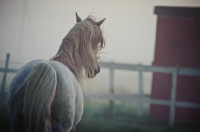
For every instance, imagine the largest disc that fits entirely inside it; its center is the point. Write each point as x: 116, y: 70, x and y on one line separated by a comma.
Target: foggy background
x: 34, y: 29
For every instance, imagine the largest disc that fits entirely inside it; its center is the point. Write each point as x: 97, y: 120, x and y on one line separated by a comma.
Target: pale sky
x: 34, y: 29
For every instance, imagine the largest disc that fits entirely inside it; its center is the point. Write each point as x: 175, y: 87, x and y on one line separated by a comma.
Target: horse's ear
x: 78, y: 19
x: 100, y: 22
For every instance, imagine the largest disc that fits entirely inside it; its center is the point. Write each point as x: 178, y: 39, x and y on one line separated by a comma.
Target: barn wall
x: 177, y: 44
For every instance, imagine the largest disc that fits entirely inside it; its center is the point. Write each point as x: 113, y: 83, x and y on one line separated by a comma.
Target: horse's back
x: 20, y: 77
x: 67, y: 106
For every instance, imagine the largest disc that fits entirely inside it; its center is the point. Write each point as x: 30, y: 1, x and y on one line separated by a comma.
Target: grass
x: 122, y: 117
x: 4, y: 115
x: 105, y: 116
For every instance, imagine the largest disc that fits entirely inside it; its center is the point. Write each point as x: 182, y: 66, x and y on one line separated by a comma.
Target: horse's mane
x: 80, y: 47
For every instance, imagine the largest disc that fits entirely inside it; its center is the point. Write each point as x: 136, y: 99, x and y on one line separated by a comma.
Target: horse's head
x: 80, y: 47
x: 94, y: 43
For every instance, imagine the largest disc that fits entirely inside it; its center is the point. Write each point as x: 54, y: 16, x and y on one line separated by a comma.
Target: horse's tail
x: 39, y: 94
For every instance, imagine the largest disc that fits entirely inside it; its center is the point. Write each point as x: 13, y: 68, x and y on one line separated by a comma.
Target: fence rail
x: 140, y: 99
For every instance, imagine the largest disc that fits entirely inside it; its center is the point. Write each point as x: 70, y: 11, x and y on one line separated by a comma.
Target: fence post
x: 173, y: 98
x: 111, y: 81
x: 4, y: 79
x: 141, y: 94
x: 111, y: 102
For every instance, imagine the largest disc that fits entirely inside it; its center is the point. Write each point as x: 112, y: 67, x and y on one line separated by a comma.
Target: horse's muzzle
x: 97, y: 70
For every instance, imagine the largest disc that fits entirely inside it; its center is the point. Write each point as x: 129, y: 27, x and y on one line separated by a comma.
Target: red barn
x: 177, y: 45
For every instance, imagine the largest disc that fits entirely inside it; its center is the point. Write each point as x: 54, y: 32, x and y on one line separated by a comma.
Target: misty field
x: 122, y: 117
x: 108, y: 116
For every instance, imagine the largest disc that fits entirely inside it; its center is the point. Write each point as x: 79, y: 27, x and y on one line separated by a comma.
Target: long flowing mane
x: 40, y: 98
x: 80, y: 47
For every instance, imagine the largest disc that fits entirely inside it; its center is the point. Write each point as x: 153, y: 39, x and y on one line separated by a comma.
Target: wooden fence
x: 5, y: 70
x: 141, y: 99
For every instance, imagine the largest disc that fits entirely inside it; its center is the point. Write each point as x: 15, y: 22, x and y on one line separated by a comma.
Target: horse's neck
x: 69, y: 63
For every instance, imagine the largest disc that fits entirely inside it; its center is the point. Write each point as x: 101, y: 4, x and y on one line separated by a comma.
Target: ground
x: 122, y: 117
x: 107, y: 116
